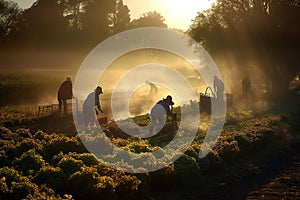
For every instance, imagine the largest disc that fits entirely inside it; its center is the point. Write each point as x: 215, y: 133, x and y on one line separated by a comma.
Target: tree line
x: 254, y: 32
x: 75, y: 23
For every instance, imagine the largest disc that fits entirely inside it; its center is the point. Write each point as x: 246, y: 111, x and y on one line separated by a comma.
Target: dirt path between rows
x: 271, y: 174
x: 285, y: 186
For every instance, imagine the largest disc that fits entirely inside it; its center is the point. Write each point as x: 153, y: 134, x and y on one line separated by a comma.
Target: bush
x: 128, y: 187
x: 3, y: 187
x: 87, y: 158
x: 163, y: 178
x: 138, y: 146
x: 45, y: 193
x: 64, y: 144
x: 70, y: 165
x: 187, y: 169
x: 52, y: 176
x: 211, y: 163
x: 29, y: 161
x: 41, y: 136
x: 88, y: 184
x: 24, y: 133
x: 4, y: 159
x: 14, y: 186
x: 20, y: 190
x: 11, y: 175
x: 229, y: 150
x: 15, y: 151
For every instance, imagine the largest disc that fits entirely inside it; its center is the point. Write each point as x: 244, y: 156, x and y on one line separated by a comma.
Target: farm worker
x: 92, y: 105
x: 153, y: 88
x: 246, y: 87
x: 65, y: 93
x: 160, y: 111
x: 219, y: 88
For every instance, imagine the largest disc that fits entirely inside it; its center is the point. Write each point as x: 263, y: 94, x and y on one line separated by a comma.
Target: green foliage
x: 15, y: 186
x: 187, y: 169
x: 46, y: 193
x: 24, y: 133
x: 64, y: 144
x: 21, y: 189
x: 87, y: 158
x: 139, y: 146
x: 29, y: 161
x: 229, y: 150
x: 211, y: 163
x: 149, y: 19
x: 245, y: 27
x: 9, y: 15
x: 87, y: 183
x: 128, y: 187
x: 11, y: 175
x: 3, y: 186
x: 120, y: 18
x: 16, y: 150
x: 70, y: 165
x: 52, y: 177
x: 56, y: 164
x: 163, y: 178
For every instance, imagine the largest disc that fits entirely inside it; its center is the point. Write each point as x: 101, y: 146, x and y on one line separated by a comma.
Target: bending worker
x: 160, y: 111
x: 92, y: 105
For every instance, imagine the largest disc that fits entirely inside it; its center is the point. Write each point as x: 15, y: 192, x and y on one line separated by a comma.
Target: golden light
x: 179, y: 11
x: 187, y: 6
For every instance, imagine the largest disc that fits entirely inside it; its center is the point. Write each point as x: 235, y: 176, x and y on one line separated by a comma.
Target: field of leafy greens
x: 44, y: 165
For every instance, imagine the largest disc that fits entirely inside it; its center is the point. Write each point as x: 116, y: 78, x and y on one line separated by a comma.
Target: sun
x: 187, y: 6
x: 179, y: 11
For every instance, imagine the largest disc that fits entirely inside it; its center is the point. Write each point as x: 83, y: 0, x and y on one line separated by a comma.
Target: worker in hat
x: 64, y: 93
x: 160, y: 111
x: 219, y: 89
x: 92, y: 105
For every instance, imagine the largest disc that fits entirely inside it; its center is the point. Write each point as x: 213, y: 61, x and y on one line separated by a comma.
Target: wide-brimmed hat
x: 100, y: 89
x: 169, y: 98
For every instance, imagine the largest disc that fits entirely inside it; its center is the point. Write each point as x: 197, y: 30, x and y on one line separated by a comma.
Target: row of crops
x: 39, y: 165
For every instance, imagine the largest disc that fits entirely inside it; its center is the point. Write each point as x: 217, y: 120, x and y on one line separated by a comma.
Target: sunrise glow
x: 178, y: 13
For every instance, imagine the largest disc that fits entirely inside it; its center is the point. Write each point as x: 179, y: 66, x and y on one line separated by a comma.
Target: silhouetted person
x: 92, y: 105
x: 219, y: 88
x: 65, y: 93
x: 246, y: 87
x: 160, y: 111
x: 153, y: 88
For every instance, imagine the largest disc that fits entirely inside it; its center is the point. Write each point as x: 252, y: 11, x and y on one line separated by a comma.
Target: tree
x: 96, y: 19
x: 149, y: 19
x: 74, y: 10
x: 120, y: 18
x: 44, y: 22
x: 9, y: 17
x: 264, y: 32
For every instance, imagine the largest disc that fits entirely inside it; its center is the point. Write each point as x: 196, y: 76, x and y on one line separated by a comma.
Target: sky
x: 178, y: 13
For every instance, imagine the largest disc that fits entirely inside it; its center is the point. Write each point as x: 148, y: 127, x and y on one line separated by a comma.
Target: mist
x: 42, y: 81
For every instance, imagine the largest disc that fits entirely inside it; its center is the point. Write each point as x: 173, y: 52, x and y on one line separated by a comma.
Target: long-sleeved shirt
x: 89, y: 101
x: 157, y: 109
x: 65, y: 91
